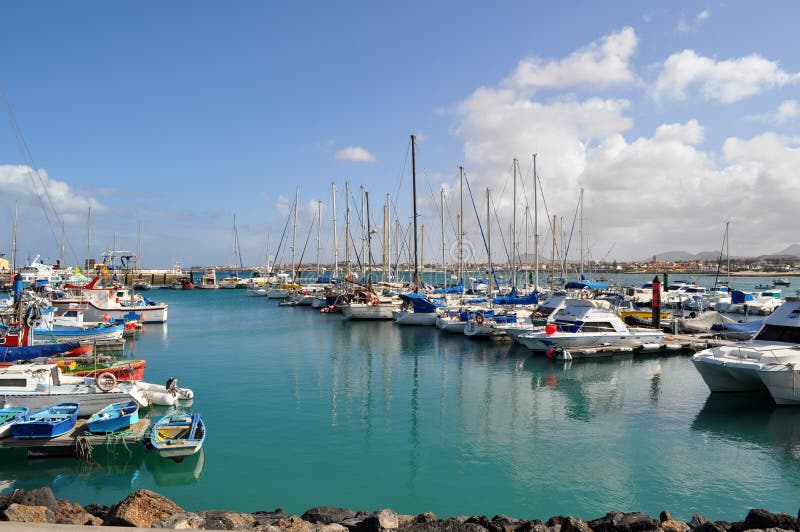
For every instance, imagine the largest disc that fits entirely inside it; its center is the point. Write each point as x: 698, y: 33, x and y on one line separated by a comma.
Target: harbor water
x: 304, y: 409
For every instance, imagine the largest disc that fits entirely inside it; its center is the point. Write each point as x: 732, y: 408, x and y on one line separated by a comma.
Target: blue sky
x: 673, y: 117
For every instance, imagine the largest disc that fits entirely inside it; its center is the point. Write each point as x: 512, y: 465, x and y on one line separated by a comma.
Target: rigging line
x: 571, y: 233
x: 502, y: 238
x: 480, y: 226
x: 302, y: 253
x: 280, y: 243
x: 35, y: 177
x: 396, y: 194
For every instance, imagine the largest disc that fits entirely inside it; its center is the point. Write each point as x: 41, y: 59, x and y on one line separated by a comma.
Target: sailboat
x: 233, y: 280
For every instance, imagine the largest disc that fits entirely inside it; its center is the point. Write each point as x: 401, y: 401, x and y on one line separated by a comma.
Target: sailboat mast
x: 384, y: 256
x: 139, y: 246
x: 581, y: 232
x: 347, y: 230
x: 388, y: 234
x: 535, y: 223
x: 14, y: 242
x: 728, y: 251
x: 461, y: 227
x: 514, y: 231
x: 89, y: 238
x: 294, y: 231
x: 319, y: 226
x: 335, y: 244
x: 369, y: 238
x: 364, y: 236
x: 444, y: 267
x: 414, y: 192
x: 489, y: 238
x: 553, y: 258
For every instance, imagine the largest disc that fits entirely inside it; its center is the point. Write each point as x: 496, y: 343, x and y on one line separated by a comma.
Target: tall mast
x: 553, y: 258
x: 422, y: 247
x: 581, y: 231
x: 319, y: 227
x: 527, y: 238
x: 514, y: 232
x: 364, y: 236
x: 61, y: 259
x: 535, y: 222
x: 728, y: 252
x: 461, y: 228
x: 347, y: 230
x: 388, y: 233
x: 294, y: 230
x: 489, y: 239
x: 414, y: 192
x: 335, y: 244
x: 14, y: 242
x: 139, y: 246
x: 384, y: 275
x: 444, y: 268
x: 369, y: 239
x: 89, y: 237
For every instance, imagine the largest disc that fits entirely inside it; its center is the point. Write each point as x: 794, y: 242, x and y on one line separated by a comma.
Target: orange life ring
x: 376, y: 302
x: 106, y: 381
x: 479, y: 318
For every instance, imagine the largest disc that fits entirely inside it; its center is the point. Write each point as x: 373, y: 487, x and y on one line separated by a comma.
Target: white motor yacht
x: 588, y: 323
x: 739, y: 367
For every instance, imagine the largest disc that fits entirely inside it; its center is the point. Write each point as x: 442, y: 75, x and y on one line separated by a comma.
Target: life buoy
x: 376, y: 302
x: 479, y: 318
x: 106, y: 381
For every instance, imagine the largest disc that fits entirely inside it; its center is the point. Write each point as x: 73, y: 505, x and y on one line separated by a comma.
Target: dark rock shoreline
x: 147, y: 509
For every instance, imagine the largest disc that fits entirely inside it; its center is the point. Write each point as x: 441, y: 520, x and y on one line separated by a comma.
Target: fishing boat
x: 8, y: 416
x: 178, y: 435
x: 114, y: 417
x: 588, y: 323
x: 741, y: 367
x: 49, y: 422
x: 70, y: 326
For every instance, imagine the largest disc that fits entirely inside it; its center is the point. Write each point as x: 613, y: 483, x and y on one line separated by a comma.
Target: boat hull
x: 725, y: 376
x: 542, y: 341
x: 50, y: 422
x: 114, y: 418
x: 178, y: 435
x: 362, y: 311
x: 783, y: 383
x: 404, y: 317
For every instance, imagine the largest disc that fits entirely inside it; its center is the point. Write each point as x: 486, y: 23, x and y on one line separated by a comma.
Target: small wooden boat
x: 178, y: 435
x: 47, y: 423
x: 114, y: 417
x: 8, y: 416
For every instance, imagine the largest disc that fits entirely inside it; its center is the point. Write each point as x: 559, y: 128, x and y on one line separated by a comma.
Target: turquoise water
x: 305, y: 409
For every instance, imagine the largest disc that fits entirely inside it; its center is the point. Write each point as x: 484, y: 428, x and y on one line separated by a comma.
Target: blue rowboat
x: 8, y: 416
x: 47, y: 423
x: 114, y: 417
x: 178, y: 435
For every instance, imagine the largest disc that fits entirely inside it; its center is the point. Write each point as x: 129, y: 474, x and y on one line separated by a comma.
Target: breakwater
x: 147, y: 509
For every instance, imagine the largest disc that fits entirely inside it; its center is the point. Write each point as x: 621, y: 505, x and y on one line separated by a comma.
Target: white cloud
x: 686, y: 27
x: 725, y: 81
x: 20, y: 182
x: 601, y: 63
x: 355, y: 154
x: 787, y: 111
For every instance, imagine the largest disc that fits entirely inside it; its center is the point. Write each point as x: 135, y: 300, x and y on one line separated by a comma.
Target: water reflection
x: 752, y: 418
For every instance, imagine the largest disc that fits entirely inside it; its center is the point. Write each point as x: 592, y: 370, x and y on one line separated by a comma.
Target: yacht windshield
x: 779, y: 333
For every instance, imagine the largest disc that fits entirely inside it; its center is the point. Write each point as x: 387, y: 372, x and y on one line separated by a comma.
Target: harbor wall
x: 147, y: 509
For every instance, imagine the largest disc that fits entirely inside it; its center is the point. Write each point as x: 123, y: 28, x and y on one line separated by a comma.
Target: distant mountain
x: 677, y: 256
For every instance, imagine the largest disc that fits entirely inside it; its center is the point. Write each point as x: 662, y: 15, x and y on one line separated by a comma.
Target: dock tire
x: 106, y: 381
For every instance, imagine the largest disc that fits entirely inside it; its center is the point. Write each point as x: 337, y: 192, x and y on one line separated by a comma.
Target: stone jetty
x: 147, y: 509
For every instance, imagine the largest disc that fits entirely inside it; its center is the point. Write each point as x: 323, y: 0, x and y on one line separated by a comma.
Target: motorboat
x: 588, y: 323
x: 112, y: 302
x: 38, y: 386
x: 738, y: 367
x: 209, y: 280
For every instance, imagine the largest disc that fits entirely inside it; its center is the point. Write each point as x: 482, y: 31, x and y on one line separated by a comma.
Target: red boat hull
x: 123, y: 371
